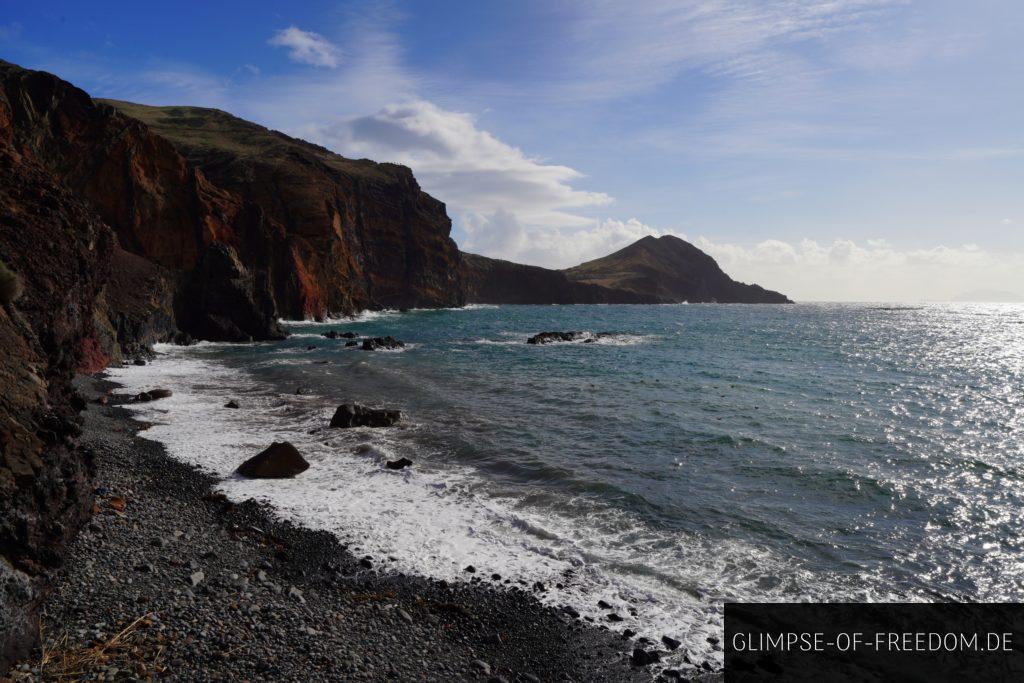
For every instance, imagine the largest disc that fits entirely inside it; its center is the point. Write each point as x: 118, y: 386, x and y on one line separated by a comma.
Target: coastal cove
x: 178, y: 583
x: 696, y: 454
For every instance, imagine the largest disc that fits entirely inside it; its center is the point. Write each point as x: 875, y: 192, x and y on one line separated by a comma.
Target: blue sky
x: 832, y: 149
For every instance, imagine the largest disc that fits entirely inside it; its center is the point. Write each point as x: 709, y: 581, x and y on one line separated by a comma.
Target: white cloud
x: 617, y: 49
x: 872, y: 271
x: 307, y: 47
x: 498, y: 192
x: 502, y: 236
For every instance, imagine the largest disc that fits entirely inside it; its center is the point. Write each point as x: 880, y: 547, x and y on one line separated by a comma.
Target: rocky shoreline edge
x: 171, y: 580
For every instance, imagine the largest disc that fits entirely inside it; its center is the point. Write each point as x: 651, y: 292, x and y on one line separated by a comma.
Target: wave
x: 440, y: 516
x: 370, y: 315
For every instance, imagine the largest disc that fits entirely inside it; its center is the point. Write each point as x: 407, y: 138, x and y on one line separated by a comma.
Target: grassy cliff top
x: 200, y: 131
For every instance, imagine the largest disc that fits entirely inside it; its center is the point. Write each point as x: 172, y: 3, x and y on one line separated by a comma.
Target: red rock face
x: 160, y: 206
x: 360, y: 234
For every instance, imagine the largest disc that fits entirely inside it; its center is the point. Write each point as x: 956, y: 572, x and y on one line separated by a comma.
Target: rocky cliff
x: 59, y: 252
x: 670, y: 270
x: 359, y: 234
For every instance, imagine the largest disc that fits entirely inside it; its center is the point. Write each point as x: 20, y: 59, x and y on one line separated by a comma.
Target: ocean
x: 700, y: 454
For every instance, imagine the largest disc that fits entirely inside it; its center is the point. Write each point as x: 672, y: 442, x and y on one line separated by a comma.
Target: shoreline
x: 212, y: 590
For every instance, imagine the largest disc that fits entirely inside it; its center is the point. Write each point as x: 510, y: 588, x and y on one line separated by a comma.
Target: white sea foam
x: 437, y: 517
x: 367, y: 315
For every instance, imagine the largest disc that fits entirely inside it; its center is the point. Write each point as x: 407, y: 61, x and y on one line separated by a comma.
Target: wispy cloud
x: 307, y: 47
x: 474, y: 171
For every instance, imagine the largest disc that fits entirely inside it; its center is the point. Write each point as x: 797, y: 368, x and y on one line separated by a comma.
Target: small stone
x: 196, y: 578
x: 484, y: 667
x: 232, y: 404
x: 471, y: 569
x: 405, y: 615
x: 296, y: 594
x: 613, y: 617
x: 603, y: 605
x: 399, y: 464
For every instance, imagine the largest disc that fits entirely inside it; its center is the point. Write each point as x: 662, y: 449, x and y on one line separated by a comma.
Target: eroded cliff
x: 360, y: 234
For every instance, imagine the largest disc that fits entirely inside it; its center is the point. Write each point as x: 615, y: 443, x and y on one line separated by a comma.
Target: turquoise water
x: 703, y: 453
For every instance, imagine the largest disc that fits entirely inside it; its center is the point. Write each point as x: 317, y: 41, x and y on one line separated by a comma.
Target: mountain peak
x: 672, y: 270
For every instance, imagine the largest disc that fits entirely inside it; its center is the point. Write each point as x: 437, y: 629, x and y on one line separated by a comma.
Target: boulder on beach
x: 399, y: 464
x: 355, y: 415
x: 572, y: 336
x: 232, y: 404
x: 377, y: 343
x: 334, y: 334
x: 350, y: 342
x: 642, y: 657
x: 151, y: 395
x: 280, y: 460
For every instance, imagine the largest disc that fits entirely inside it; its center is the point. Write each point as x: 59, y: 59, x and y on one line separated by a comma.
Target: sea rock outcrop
x: 388, y: 343
x: 555, y: 337
x: 355, y: 415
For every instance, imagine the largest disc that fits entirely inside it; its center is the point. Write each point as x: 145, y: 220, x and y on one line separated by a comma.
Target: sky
x: 830, y: 149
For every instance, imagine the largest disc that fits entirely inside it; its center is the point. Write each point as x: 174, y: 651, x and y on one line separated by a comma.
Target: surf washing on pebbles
x: 704, y: 454
x: 433, y: 518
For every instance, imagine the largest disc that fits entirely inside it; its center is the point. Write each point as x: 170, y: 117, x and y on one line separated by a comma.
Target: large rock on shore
x: 354, y: 415
x: 280, y: 460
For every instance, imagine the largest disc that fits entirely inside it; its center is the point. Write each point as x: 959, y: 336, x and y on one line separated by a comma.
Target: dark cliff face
x: 358, y: 234
x: 671, y: 270
x: 492, y: 281
x: 61, y: 251
x: 160, y: 207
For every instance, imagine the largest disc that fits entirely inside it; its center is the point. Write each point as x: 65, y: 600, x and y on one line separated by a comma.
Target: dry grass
x: 131, y: 650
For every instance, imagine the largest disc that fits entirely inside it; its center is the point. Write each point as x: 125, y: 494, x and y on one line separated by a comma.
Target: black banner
x: 874, y: 642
